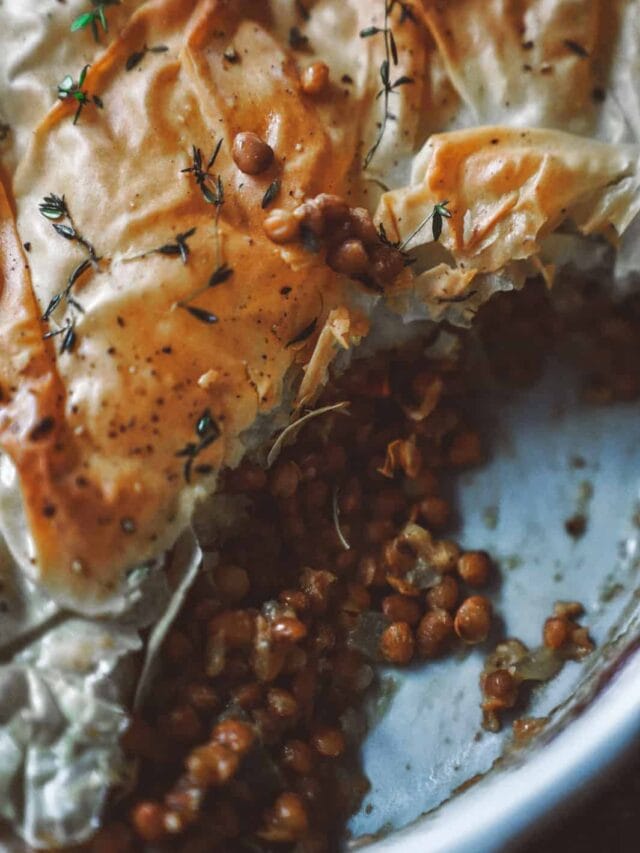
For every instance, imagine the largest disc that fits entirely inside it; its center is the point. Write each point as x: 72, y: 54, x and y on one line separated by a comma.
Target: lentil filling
x: 250, y: 739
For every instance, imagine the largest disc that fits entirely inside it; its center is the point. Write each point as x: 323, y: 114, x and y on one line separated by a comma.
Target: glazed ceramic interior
x: 551, y: 456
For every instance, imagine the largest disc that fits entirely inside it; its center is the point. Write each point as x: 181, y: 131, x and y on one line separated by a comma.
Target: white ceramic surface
x: 428, y: 741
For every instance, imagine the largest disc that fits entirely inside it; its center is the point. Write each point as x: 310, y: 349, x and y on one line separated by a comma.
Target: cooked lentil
x: 251, y: 154
x: 315, y: 78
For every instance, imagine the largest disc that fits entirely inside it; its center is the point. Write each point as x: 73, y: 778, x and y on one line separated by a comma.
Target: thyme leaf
x: 68, y: 339
x: 200, y: 314
x: 297, y: 39
x: 78, y: 271
x: 53, y: 207
x: 68, y: 333
x: 94, y: 17
x: 51, y: 307
x: 402, y: 81
x: 436, y: 217
x: 137, y: 56
x: 180, y: 247
x: 82, y: 21
x: 271, y: 194
x: 214, y: 156
x: 134, y: 59
x: 220, y: 274
x: 69, y: 90
x: 204, y: 424
x: 393, y: 48
x: 65, y: 294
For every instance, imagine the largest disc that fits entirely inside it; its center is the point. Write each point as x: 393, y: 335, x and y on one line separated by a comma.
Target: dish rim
x: 504, y: 806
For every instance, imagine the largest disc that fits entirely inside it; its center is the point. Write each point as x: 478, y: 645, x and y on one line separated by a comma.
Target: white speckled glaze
x: 429, y: 741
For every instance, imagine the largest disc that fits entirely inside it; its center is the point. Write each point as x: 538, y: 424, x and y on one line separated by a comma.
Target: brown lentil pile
x: 251, y: 736
x: 250, y: 740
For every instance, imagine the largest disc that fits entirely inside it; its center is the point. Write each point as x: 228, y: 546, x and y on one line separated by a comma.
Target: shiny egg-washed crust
x: 94, y: 433
x: 103, y: 488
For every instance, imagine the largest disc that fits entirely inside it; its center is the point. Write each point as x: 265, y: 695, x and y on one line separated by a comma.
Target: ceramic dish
x: 428, y: 741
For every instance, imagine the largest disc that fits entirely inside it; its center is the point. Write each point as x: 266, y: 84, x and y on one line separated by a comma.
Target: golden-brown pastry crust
x: 509, y: 188
x: 143, y: 370
x: 544, y: 63
x: 103, y: 484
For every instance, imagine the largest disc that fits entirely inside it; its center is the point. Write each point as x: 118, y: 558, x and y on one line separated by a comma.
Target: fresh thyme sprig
x: 179, y: 248
x: 210, y: 185
x: 436, y: 217
x: 54, y: 208
x: 222, y: 273
x: 380, y: 184
x: 70, y: 90
x: 137, y: 56
x: 94, y: 17
x: 65, y: 294
x: 212, y: 189
x: 207, y: 431
x: 389, y: 86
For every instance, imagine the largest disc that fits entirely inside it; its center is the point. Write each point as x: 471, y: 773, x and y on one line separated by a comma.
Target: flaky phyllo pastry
x: 198, y: 229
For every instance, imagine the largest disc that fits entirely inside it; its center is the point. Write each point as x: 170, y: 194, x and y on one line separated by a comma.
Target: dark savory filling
x: 347, y: 558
